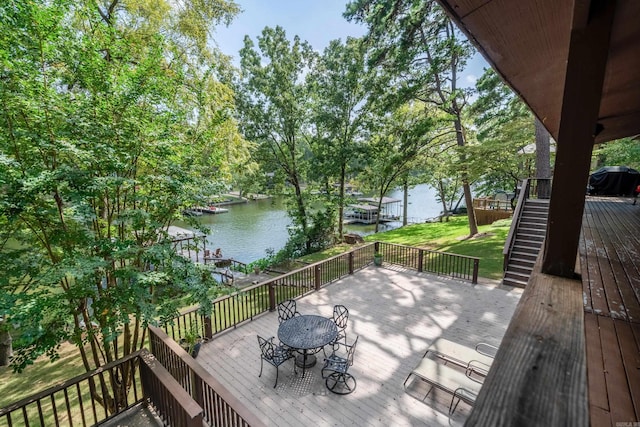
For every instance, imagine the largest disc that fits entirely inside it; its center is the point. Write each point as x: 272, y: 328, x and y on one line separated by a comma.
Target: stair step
x: 533, y: 227
x: 523, y: 235
x: 525, y: 256
x: 538, y: 221
x: 535, y: 214
x: 513, y: 282
x: 524, y: 277
x: 521, y: 262
x: 520, y: 269
x: 532, y: 232
x: 528, y: 243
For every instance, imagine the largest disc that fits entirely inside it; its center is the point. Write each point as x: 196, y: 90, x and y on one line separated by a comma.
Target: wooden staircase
x: 532, y: 228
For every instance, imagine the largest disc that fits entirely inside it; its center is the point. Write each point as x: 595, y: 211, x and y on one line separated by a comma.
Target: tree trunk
x: 405, y: 188
x: 341, y: 202
x: 443, y: 200
x: 6, y: 349
x: 543, y: 160
x: 466, y: 188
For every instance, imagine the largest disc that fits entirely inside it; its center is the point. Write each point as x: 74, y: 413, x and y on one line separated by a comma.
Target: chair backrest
x: 286, y: 310
x: 340, y: 316
x: 351, y: 352
x: 266, y: 348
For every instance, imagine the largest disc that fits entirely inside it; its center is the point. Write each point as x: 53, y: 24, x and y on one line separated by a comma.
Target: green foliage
x: 421, y: 54
x: 99, y: 153
x: 274, y: 107
x: 341, y: 118
x: 404, y: 138
x: 505, y: 132
x: 621, y: 152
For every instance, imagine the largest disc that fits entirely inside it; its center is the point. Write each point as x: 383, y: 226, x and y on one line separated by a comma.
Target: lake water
x: 248, y: 230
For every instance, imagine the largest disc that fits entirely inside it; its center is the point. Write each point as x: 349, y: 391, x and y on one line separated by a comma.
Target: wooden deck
x: 396, y: 315
x: 610, y: 267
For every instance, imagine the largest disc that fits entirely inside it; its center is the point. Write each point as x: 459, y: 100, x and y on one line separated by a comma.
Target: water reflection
x: 248, y: 230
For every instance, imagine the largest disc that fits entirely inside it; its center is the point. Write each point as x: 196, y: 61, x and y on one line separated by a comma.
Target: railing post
x: 196, y: 387
x: 208, y: 328
x: 420, y: 259
x: 476, y: 263
x: 272, y: 297
x: 350, y: 262
x: 318, y: 274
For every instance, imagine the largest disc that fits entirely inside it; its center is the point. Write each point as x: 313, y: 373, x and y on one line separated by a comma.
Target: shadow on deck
x: 397, y: 314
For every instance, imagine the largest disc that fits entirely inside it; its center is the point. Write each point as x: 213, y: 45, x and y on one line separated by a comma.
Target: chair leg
x: 261, y: 362
x: 277, y: 370
x: 340, y: 383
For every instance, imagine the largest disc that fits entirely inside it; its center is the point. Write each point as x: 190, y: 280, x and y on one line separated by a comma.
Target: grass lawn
x: 447, y: 237
x: 40, y: 376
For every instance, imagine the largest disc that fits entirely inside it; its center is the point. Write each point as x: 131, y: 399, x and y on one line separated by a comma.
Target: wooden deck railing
x: 77, y: 401
x: 440, y: 263
x: 231, y: 310
x: 491, y: 203
x: 221, y: 408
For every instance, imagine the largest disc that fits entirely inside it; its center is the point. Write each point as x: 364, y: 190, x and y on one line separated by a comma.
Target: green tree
x: 505, y: 152
x: 99, y: 155
x: 273, y: 101
x: 339, y: 88
x: 423, y: 53
x: 404, y: 137
x: 621, y: 152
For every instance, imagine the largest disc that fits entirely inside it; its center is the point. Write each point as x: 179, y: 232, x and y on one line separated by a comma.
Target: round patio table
x: 307, y: 332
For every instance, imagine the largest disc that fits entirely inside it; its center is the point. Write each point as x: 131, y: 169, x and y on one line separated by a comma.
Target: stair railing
x: 517, y: 213
x: 532, y: 188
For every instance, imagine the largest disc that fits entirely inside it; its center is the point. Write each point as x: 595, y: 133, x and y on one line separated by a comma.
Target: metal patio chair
x: 287, y: 310
x: 340, y: 318
x: 337, y: 379
x: 274, y: 354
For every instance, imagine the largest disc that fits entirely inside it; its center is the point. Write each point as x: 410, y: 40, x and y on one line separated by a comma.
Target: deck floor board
x: 610, y: 264
x: 396, y: 315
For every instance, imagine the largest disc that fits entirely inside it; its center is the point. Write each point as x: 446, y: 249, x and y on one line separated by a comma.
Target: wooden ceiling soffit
x: 620, y: 104
x: 526, y: 41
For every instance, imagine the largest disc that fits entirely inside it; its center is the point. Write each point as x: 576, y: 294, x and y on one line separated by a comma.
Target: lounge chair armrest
x: 478, y: 368
x: 487, y: 349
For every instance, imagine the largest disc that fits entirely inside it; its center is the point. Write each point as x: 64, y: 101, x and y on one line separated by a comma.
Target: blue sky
x: 316, y: 21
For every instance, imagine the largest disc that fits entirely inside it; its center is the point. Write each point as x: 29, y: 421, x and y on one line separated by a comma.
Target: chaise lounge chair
x: 462, y: 385
x: 474, y: 361
x: 449, y: 379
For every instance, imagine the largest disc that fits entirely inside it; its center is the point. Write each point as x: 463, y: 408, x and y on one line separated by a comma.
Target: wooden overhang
x: 576, y: 64
x: 527, y: 43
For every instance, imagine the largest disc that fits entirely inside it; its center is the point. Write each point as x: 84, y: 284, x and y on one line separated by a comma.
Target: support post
x: 208, y: 327
x: 476, y: 267
x: 318, y: 273
x: 272, y: 297
x: 586, y: 63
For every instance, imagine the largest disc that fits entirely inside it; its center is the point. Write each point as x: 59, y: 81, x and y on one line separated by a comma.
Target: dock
x: 367, y: 212
x: 210, y: 209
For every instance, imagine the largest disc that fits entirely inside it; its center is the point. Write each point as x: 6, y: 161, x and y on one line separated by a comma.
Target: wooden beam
x: 538, y: 377
x: 584, y: 78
